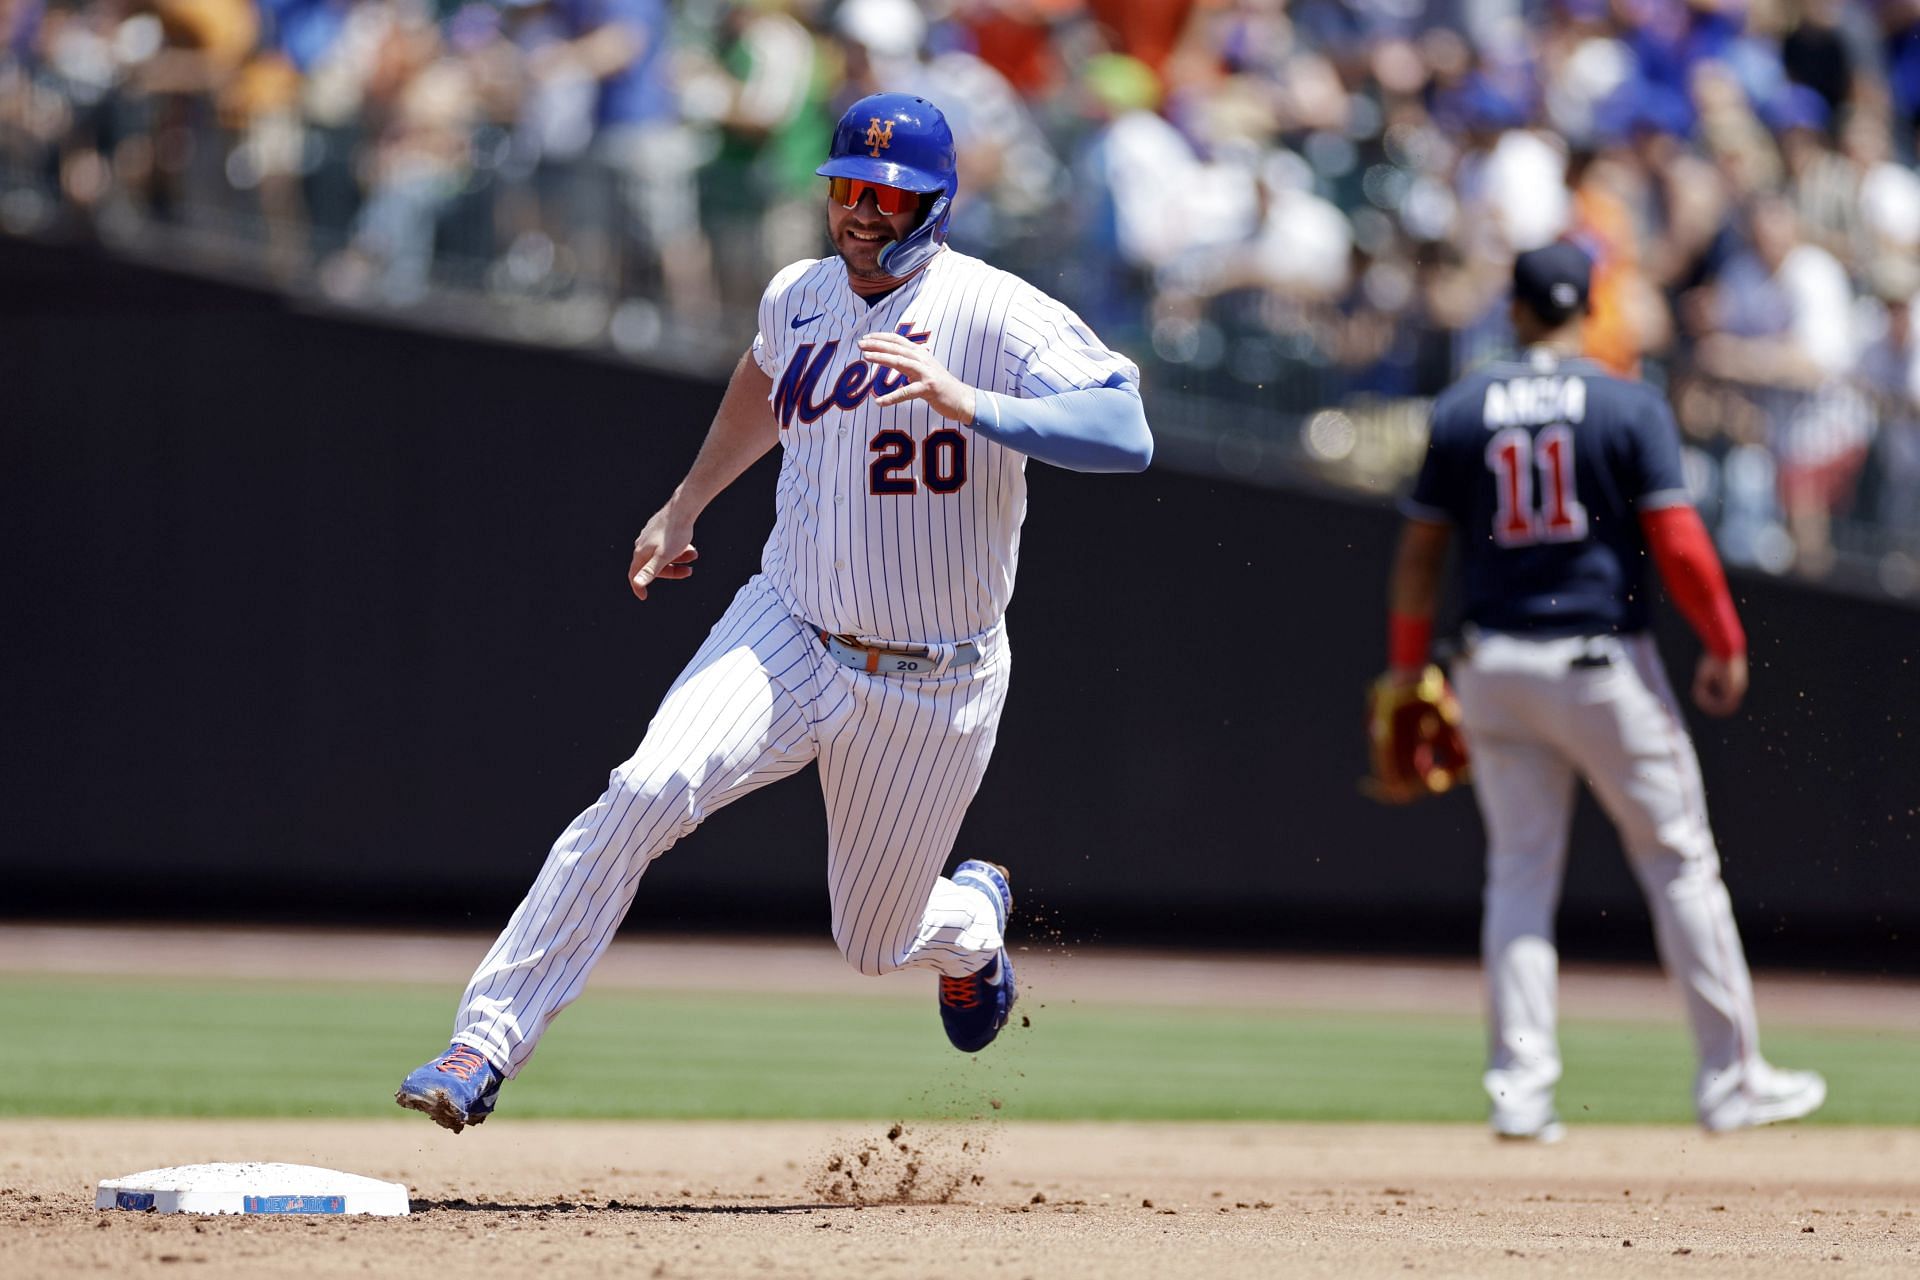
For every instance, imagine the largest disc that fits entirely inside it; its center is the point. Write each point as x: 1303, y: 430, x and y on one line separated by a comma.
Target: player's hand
x: 664, y: 549
x: 927, y: 378
x: 1719, y: 684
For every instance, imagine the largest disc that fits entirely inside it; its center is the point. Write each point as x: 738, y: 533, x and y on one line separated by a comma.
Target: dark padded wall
x: 313, y: 618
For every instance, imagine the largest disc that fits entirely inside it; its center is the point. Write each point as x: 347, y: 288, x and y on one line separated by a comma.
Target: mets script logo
x: 801, y: 382
x: 879, y: 135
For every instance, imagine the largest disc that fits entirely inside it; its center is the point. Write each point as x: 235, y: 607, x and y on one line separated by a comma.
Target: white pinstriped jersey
x: 897, y: 524
x: 892, y: 525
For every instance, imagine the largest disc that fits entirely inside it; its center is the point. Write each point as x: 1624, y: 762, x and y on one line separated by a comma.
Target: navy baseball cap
x: 1553, y: 281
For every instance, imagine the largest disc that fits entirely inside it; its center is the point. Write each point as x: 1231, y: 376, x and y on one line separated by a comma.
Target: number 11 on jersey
x: 1515, y: 456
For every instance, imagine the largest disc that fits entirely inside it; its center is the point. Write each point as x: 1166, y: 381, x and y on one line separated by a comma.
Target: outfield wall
x: 310, y: 618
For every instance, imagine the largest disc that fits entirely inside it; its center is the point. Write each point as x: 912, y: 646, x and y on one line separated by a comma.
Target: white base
x: 252, y: 1188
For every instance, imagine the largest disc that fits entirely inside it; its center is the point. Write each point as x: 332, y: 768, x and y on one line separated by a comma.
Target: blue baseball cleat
x: 974, y: 1008
x: 456, y: 1090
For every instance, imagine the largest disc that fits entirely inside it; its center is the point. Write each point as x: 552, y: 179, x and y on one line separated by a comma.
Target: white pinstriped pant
x: 1533, y: 724
x: 900, y: 759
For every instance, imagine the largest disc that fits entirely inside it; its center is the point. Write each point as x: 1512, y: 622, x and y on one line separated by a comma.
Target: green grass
x: 79, y: 1047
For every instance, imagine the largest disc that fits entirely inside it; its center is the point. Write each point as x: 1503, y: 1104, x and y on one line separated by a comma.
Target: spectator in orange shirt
x: 1628, y: 318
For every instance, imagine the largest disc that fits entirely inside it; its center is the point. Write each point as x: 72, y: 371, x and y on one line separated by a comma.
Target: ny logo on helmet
x: 879, y: 135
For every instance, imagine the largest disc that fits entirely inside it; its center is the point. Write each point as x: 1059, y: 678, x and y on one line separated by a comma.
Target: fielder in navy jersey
x: 906, y: 386
x: 1562, y: 482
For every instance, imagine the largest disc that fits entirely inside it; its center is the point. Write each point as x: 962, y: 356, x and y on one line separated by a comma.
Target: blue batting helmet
x: 902, y: 141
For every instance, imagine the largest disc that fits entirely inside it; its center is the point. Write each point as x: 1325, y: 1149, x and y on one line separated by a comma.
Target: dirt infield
x: 995, y: 1198
x: 1109, y: 1201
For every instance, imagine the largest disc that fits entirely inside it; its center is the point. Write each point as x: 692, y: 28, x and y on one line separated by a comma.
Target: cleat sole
x: 437, y: 1106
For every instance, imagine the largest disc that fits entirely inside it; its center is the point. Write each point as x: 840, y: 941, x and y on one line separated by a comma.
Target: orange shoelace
x: 462, y: 1063
x: 960, y: 993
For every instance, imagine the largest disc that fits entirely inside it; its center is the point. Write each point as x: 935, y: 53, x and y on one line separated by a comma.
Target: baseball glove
x: 1414, y: 730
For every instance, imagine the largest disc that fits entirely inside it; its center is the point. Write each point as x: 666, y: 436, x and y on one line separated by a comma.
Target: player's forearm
x: 1102, y: 429
x: 1413, y: 592
x: 1683, y: 552
x: 743, y: 431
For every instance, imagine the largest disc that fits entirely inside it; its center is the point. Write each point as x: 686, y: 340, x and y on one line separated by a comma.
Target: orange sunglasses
x: 846, y: 192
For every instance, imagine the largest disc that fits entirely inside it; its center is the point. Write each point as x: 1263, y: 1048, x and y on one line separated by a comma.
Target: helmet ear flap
x: 903, y: 257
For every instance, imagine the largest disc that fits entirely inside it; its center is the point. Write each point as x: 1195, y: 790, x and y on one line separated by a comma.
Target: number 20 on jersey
x: 942, y: 462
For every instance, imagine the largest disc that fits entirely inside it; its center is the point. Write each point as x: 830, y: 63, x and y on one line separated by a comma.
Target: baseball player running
x: 906, y: 385
x: 1562, y: 479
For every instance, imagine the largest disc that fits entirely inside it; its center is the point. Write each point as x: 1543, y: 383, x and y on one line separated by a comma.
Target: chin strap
x: 904, y: 257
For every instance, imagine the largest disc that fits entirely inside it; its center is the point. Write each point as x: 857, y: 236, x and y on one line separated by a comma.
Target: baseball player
x: 906, y: 385
x: 1562, y: 481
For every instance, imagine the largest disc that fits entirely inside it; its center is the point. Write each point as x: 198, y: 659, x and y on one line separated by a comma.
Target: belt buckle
x: 874, y: 654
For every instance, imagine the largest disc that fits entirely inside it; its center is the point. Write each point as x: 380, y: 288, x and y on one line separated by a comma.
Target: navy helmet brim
x: 884, y: 172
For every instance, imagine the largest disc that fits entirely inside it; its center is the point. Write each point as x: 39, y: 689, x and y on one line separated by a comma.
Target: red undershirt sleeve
x: 1690, y: 568
x: 1408, y: 639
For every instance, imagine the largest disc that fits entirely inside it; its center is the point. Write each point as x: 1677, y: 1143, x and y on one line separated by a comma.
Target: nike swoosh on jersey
x: 797, y: 321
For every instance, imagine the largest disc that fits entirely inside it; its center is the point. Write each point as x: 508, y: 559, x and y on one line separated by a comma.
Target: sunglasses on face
x: 846, y: 192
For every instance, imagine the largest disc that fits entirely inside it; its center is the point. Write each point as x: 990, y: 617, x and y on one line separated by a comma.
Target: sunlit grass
x: 76, y: 1046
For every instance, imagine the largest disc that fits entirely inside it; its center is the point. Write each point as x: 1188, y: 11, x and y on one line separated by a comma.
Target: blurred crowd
x: 1284, y: 204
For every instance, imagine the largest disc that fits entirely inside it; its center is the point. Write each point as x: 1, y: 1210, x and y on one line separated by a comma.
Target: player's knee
x: 1680, y: 870
x: 655, y: 798
x: 1513, y: 911
x: 863, y: 957
x: 1519, y: 865
x: 1679, y: 847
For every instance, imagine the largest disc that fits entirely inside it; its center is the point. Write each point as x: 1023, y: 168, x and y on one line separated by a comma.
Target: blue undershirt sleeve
x: 1097, y: 429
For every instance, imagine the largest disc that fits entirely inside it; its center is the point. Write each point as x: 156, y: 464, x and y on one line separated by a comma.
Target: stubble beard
x: 870, y: 272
